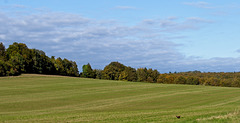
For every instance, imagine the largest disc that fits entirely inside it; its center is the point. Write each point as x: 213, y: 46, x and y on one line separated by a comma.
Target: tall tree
x: 88, y: 71
x: 74, y: 69
x: 113, y: 71
x: 2, y: 51
x: 59, y: 66
x: 18, y: 52
x: 2, y: 60
x: 142, y: 74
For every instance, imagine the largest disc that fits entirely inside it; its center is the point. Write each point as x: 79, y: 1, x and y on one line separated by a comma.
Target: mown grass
x: 40, y: 98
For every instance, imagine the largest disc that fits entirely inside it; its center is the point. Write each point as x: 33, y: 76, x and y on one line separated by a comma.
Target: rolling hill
x: 44, y: 98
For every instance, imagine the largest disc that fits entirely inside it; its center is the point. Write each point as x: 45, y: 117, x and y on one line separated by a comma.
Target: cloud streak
x: 126, y: 7
x: 199, y: 4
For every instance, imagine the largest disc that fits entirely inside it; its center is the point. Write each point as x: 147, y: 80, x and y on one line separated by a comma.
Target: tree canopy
x: 18, y: 58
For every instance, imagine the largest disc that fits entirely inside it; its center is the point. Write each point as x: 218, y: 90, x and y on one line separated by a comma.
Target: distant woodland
x: 18, y: 59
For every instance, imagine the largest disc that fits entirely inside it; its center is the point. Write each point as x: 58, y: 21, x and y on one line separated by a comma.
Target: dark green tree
x: 2, y: 60
x: 18, y: 58
x: 180, y: 80
x: 2, y: 68
x: 2, y: 52
x: 152, y: 75
x: 74, y: 69
x: 128, y: 74
x: 142, y: 74
x: 59, y: 66
x: 113, y: 71
x: 98, y: 73
x: 88, y: 71
x: 192, y: 80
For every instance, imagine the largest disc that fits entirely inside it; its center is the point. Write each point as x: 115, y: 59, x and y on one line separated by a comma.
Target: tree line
x: 118, y: 71
x: 18, y: 58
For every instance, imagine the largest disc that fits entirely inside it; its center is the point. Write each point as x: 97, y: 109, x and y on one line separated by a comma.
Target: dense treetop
x: 18, y: 58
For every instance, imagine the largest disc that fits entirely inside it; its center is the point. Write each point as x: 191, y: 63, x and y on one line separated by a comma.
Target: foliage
x: 128, y: 74
x: 198, y: 78
x: 118, y: 71
x: 98, y: 73
x: 2, y: 51
x: 142, y: 74
x: 152, y: 75
x: 113, y: 71
x: 18, y: 58
x: 88, y: 71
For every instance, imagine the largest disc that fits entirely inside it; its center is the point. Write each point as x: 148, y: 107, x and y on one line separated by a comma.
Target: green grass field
x: 40, y: 98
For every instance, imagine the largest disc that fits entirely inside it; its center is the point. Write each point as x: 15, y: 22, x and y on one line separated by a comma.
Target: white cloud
x: 198, y: 19
x: 147, y: 44
x: 19, y: 6
x: 199, y: 4
x: 125, y: 7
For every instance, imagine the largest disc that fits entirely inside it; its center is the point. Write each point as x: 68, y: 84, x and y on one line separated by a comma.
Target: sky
x: 176, y: 35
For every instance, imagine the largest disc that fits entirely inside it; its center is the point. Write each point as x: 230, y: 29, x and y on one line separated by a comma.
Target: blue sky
x: 176, y: 35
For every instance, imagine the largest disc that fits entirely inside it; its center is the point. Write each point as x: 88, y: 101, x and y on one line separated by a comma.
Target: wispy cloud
x: 199, y: 4
x: 19, y: 6
x: 125, y: 7
x: 198, y: 19
x: 220, y: 13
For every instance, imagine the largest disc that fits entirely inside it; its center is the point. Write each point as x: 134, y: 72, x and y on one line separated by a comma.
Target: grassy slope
x: 39, y: 98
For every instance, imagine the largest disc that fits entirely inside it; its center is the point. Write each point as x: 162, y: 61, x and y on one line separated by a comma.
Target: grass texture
x: 42, y: 98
